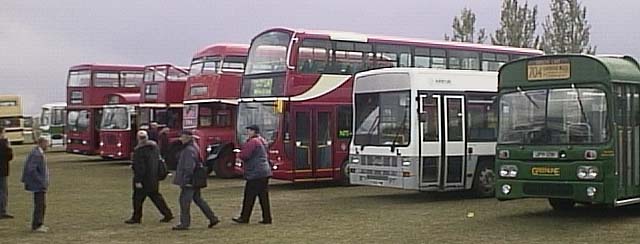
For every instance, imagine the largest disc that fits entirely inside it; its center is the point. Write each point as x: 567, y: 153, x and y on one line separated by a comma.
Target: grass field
x: 89, y: 200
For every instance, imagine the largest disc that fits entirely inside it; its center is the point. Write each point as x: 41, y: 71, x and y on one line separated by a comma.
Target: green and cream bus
x: 424, y: 129
x: 52, y: 123
x: 569, y: 130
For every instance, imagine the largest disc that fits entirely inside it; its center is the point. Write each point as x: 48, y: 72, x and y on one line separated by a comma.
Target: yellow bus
x: 11, y: 118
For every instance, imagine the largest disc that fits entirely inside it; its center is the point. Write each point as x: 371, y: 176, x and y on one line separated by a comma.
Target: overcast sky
x: 39, y: 40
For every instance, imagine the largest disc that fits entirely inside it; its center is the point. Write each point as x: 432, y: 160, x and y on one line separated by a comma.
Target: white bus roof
x: 395, y: 79
x: 57, y: 104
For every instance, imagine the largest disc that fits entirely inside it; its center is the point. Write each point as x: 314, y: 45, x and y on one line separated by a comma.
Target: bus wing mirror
x: 422, y: 117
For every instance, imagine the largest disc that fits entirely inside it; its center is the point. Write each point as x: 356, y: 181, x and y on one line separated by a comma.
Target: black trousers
x: 139, y: 195
x: 256, y: 188
x: 39, y: 206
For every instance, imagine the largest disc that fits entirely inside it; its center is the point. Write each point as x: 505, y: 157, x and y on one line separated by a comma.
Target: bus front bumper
x: 579, y: 191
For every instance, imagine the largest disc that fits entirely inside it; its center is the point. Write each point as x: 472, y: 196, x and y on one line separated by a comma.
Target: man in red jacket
x: 6, y: 155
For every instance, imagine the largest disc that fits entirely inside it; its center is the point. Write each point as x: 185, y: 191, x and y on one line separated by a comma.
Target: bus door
x: 442, y: 150
x: 628, y: 134
x: 312, y: 142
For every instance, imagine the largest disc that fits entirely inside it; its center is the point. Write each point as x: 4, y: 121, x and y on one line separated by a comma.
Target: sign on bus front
x: 548, y: 69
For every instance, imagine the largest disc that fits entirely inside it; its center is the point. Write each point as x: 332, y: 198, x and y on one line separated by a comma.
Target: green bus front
x: 569, y: 130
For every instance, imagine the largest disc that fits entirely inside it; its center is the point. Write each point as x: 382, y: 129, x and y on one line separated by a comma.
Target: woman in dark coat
x: 146, y: 160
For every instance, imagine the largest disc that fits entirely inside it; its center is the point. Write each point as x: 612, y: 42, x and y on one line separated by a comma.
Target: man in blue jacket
x: 35, y: 177
x: 189, y: 157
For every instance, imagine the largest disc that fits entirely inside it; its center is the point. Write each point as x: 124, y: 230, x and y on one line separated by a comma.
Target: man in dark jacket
x: 189, y: 158
x: 6, y: 155
x: 35, y: 177
x: 257, y: 172
x: 153, y: 131
x: 146, y: 160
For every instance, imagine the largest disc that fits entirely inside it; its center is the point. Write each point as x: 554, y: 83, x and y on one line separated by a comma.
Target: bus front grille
x: 537, y: 189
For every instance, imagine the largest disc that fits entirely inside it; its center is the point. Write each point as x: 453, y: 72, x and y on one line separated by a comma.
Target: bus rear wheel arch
x: 223, y: 165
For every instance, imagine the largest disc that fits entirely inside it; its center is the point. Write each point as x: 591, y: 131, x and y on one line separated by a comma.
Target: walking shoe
x: 180, y: 227
x: 213, y: 222
x: 166, y: 219
x: 240, y: 221
x: 41, y: 229
x: 265, y: 222
x: 132, y: 221
x: 6, y: 216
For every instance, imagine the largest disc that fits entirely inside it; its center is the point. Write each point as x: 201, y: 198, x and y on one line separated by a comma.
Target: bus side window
x: 343, y: 122
x: 482, y: 118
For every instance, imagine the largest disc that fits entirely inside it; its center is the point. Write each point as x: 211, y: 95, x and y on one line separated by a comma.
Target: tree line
x: 565, y: 29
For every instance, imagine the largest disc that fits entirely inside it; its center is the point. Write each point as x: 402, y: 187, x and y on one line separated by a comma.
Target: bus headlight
x: 84, y: 142
x: 69, y: 141
x: 587, y: 172
x: 208, y: 149
x: 508, y: 171
x: 119, y: 144
x: 506, y: 189
x: 101, y: 144
x: 238, y: 164
x: 406, y: 162
x: 591, y: 191
x: 355, y: 159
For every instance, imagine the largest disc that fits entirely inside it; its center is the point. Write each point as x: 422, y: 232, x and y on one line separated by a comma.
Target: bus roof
x: 579, y: 68
x: 107, y: 67
x: 395, y: 79
x: 53, y: 105
x: 359, y: 37
x: 226, y: 49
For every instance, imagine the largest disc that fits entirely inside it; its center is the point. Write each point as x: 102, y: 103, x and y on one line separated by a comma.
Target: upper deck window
x: 131, y: 79
x: 196, y: 66
x: 104, y: 79
x: 234, y: 64
x: 79, y: 79
x: 175, y: 74
x: 268, y: 53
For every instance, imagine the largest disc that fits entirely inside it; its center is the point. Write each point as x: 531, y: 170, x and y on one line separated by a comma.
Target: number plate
x: 545, y: 171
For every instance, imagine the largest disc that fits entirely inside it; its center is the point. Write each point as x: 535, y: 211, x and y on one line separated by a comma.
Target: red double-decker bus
x: 297, y: 87
x: 211, y: 95
x: 88, y: 86
x: 158, y: 100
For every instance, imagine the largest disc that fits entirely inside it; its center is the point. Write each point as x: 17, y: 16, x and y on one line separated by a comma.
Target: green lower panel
x: 551, y: 189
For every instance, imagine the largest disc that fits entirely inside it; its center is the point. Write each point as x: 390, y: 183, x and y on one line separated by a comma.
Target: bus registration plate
x: 545, y: 171
x: 548, y: 69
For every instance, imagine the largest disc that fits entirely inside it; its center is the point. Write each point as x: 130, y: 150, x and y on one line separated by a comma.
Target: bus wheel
x: 561, y: 204
x: 344, y: 172
x: 484, y: 180
x: 224, y: 165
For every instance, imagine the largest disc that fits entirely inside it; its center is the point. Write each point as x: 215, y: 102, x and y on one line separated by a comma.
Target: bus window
x: 79, y: 78
x: 148, y: 74
x: 176, y: 75
x: 233, y: 64
x: 313, y: 56
x: 211, y: 65
x: 492, y: 61
x: 482, y: 121
x: 130, y: 79
x: 349, y: 58
x: 344, y: 122
x: 430, y: 128
x: 151, y: 91
x: 76, y: 97
x: 196, y: 66
x: 393, y: 56
x: 466, y: 60
x: 438, y: 59
x: 102, y: 79
x: 422, y: 58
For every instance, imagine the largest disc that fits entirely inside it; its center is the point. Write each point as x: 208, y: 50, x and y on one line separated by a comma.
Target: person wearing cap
x: 189, y: 158
x: 257, y: 171
x: 146, y: 160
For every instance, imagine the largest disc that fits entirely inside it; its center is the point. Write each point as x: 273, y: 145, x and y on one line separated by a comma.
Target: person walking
x: 189, y: 158
x: 146, y: 160
x: 35, y: 177
x: 257, y: 172
x: 6, y: 155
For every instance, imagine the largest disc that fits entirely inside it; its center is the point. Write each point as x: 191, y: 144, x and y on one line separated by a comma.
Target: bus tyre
x: 484, y: 180
x: 344, y: 173
x: 561, y: 204
x: 223, y: 166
